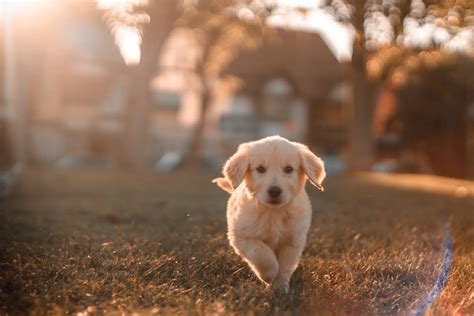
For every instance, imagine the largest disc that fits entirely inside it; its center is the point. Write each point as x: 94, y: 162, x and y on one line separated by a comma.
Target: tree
x: 222, y: 28
x: 432, y: 84
x: 386, y: 33
x: 432, y: 91
x: 153, y: 22
x: 220, y: 33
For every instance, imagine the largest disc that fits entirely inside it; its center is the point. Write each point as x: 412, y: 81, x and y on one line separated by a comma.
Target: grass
x: 114, y: 242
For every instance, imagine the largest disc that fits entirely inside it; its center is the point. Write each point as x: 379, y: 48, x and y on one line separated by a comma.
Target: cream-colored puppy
x: 269, y: 212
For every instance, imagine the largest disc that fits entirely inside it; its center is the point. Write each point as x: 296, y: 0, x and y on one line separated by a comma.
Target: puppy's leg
x: 259, y: 256
x: 288, y: 257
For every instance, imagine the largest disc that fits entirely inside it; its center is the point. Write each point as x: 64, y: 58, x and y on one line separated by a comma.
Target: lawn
x: 108, y: 242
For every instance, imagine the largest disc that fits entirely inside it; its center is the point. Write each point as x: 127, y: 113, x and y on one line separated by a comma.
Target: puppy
x: 269, y: 212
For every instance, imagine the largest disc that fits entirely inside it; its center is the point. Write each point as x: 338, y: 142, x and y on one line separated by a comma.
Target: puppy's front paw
x: 268, y: 274
x: 280, y: 287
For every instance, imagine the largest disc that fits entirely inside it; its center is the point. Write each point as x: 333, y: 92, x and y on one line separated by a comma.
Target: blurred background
x: 108, y: 104
x: 386, y: 86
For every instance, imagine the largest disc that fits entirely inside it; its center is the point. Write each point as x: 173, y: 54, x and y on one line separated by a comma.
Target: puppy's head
x: 274, y: 169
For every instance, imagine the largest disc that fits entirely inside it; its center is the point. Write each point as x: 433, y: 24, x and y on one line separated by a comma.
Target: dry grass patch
x: 104, y: 242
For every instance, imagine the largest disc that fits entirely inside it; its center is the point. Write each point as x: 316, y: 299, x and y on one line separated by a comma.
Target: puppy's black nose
x: 274, y: 191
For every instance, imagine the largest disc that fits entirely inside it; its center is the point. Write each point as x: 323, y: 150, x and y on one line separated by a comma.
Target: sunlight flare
x: 127, y: 37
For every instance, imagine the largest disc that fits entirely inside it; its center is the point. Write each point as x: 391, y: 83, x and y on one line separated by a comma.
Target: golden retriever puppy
x: 269, y: 212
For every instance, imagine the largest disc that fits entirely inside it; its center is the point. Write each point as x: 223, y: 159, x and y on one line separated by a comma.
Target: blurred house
x: 76, y: 94
x: 175, y: 94
x: 292, y: 86
x: 80, y: 104
x: 72, y: 81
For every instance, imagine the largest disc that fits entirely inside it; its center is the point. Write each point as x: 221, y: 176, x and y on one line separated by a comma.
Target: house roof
x: 300, y: 57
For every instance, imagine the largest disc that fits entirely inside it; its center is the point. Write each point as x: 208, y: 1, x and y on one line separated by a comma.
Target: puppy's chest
x: 274, y: 228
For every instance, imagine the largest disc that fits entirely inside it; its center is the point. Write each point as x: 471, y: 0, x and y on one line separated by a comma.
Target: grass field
x: 103, y: 242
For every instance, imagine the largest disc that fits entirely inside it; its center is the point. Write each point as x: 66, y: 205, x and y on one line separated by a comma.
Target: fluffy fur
x: 266, y: 228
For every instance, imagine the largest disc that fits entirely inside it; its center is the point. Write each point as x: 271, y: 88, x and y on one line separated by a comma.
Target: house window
x: 166, y: 100
x: 276, y: 96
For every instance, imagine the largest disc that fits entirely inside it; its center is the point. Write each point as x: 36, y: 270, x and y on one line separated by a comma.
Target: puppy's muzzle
x: 274, y: 192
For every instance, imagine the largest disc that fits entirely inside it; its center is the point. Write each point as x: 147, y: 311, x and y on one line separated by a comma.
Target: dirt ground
x: 96, y: 242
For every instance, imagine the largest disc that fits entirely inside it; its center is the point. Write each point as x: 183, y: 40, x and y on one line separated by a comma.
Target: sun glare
x: 7, y: 4
x: 337, y: 36
x: 127, y: 38
x: 13, y: 7
x: 114, y: 4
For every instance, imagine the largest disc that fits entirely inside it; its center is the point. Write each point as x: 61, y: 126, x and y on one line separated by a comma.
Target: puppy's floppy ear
x: 236, y: 167
x: 312, y: 165
x: 223, y: 184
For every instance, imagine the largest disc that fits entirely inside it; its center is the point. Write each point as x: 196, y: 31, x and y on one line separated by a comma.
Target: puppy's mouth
x: 274, y: 202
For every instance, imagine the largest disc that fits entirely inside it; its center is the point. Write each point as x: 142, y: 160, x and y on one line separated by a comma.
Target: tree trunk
x: 193, y: 157
x: 136, y: 121
x: 361, y: 141
x: 135, y: 152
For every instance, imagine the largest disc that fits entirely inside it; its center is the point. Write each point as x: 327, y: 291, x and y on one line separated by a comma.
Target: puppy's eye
x: 261, y: 169
x: 288, y: 169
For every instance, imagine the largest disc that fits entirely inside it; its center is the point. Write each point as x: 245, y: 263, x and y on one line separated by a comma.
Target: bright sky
x: 306, y: 4
x: 338, y: 37
x: 421, y: 29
